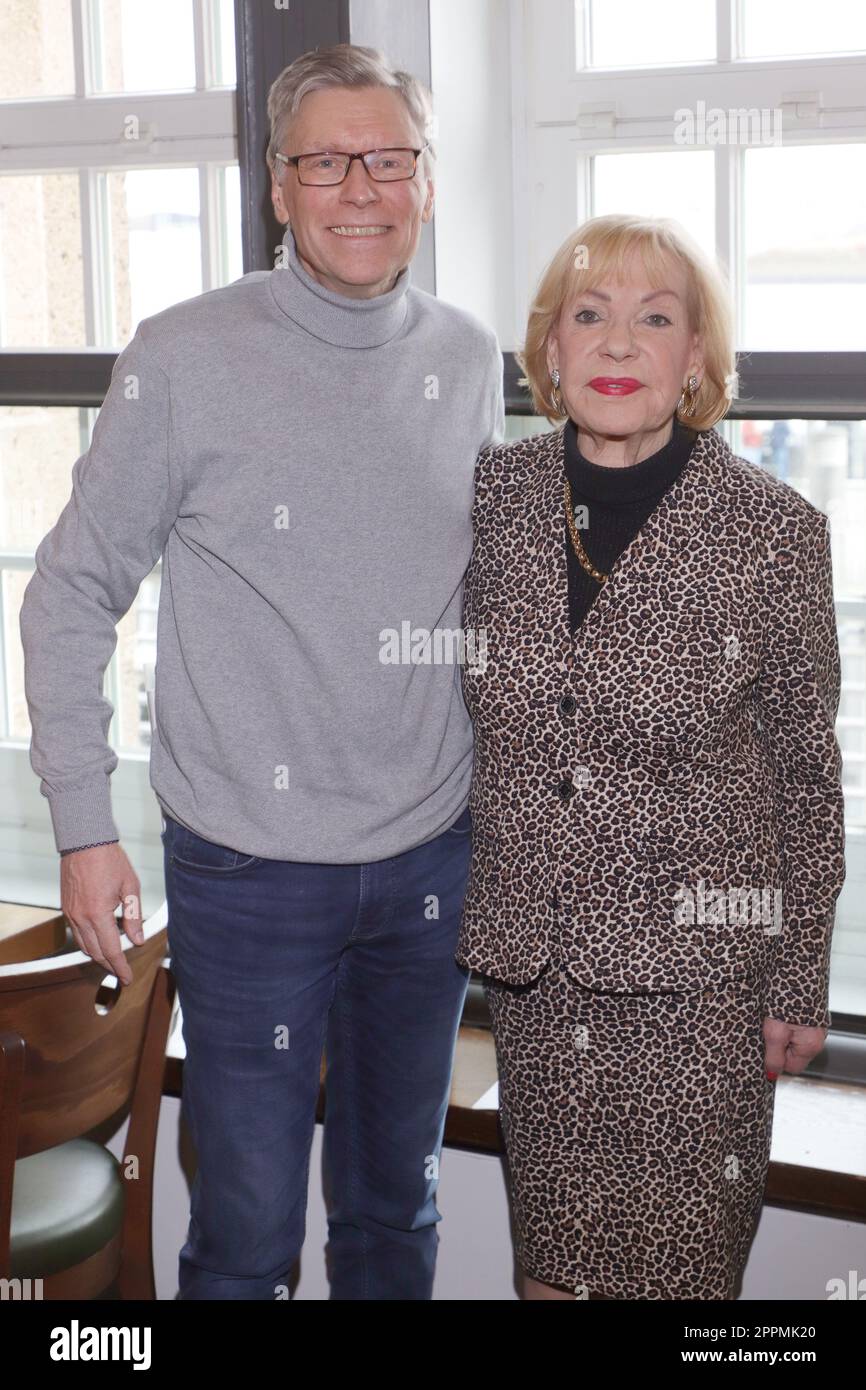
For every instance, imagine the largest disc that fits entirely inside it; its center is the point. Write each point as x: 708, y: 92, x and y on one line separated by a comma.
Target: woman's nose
x: 618, y: 340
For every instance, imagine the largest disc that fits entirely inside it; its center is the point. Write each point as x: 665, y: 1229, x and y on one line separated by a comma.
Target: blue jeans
x: 274, y: 960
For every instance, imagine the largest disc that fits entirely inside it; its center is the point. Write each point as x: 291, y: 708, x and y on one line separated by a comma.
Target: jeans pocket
x: 192, y: 852
x: 462, y: 825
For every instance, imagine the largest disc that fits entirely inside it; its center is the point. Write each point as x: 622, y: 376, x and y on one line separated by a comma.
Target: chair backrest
x: 70, y: 1047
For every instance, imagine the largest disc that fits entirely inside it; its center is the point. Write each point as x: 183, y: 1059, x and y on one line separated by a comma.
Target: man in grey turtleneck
x: 299, y: 447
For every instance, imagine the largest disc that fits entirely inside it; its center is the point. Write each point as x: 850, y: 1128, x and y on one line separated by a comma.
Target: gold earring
x: 692, y: 389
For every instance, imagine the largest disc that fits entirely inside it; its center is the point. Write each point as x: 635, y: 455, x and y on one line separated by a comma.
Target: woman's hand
x: 790, y: 1046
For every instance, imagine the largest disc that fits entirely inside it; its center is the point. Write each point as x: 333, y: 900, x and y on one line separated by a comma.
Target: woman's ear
x: 698, y: 365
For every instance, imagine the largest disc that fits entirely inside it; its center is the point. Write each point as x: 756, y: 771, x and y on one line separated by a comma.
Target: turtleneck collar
x: 337, y: 318
x: 650, y: 477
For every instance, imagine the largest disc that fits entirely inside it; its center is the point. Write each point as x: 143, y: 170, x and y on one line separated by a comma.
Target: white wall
x: 470, y: 58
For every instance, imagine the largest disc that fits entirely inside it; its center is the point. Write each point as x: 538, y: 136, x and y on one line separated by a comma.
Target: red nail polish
x: 772, y: 1076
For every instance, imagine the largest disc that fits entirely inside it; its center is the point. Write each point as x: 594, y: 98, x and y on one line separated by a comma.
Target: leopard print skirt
x: 637, y: 1129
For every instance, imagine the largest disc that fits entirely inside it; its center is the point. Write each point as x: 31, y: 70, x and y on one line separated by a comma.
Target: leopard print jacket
x: 656, y: 799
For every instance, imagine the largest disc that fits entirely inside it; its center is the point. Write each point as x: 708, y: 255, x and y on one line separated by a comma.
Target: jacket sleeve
x: 125, y: 498
x: 798, y: 699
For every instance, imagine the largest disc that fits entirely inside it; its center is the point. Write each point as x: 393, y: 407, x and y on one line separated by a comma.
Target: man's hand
x: 790, y: 1046
x: 93, y: 882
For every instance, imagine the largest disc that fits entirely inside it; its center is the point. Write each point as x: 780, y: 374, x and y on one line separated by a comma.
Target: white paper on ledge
x: 490, y: 1099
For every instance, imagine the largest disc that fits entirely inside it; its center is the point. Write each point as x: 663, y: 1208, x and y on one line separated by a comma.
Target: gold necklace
x: 579, y: 550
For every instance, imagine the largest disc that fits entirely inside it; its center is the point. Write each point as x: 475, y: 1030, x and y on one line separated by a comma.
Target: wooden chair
x: 30, y: 933
x: 75, y: 1055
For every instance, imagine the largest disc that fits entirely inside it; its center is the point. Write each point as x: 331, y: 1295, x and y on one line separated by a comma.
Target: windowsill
x: 818, y: 1156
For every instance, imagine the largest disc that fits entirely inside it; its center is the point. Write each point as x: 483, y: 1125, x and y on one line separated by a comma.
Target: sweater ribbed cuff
x: 64, y: 852
x: 82, y: 815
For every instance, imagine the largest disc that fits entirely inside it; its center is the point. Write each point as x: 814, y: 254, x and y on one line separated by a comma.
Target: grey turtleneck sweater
x: 303, y: 462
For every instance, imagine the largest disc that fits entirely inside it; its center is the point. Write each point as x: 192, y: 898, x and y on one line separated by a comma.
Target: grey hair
x: 345, y: 65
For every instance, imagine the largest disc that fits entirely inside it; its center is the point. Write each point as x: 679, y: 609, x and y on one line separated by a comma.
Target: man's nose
x: 358, y: 185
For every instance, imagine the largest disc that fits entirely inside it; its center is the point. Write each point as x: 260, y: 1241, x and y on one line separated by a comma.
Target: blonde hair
x: 345, y: 65
x: 597, y: 251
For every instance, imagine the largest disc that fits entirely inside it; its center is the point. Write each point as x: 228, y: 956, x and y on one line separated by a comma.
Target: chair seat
x: 67, y: 1203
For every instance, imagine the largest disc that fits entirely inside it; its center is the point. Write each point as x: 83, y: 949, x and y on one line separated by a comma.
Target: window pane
x: 785, y: 27
x: 805, y: 227
x: 35, y: 50
x: 38, y: 447
x: 14, y: 582
x: 41, y: 275
x: 143, y: 46
x: 232, y: 203
x: 677, y: 185
x: 155, y: 243
x: 826, y: 462
x: 631, y: 33
x: 224, y: 38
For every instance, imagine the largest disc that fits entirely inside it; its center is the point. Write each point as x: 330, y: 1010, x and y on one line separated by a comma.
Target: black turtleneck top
x: 618, y: 502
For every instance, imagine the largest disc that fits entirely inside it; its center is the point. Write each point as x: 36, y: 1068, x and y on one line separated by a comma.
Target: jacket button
x: 565, y: 790
x: 567, y: 704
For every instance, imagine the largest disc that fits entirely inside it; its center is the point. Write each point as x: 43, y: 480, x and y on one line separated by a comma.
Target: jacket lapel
x: 671, y: 527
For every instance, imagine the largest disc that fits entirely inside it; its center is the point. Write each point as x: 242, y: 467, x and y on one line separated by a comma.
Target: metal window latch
x: 599, y: 116
x: 801, y: 106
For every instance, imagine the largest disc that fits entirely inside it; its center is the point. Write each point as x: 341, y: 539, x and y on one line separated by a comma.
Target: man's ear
x: 427, y: 210
x: 281, y: 212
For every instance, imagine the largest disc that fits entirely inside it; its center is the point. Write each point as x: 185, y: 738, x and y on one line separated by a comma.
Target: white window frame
x: 83, y: 133
x: 573, y: 113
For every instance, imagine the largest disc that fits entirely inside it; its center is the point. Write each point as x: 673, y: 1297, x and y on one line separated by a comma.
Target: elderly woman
x: 656, y: 802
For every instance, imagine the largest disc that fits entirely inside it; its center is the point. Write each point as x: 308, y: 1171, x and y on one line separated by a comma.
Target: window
x: 633, y: 34
x: 42, y: 442
x: 119, y: 195
x: 653, y: 182
x: 804, y: 231
x: 761, y: 160
x: 122, y: 197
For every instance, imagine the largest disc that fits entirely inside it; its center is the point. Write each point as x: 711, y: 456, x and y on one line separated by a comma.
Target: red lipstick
x: 615, y: 385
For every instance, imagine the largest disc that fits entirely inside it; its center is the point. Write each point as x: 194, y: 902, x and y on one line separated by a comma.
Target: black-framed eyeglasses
x: 332, y: 166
